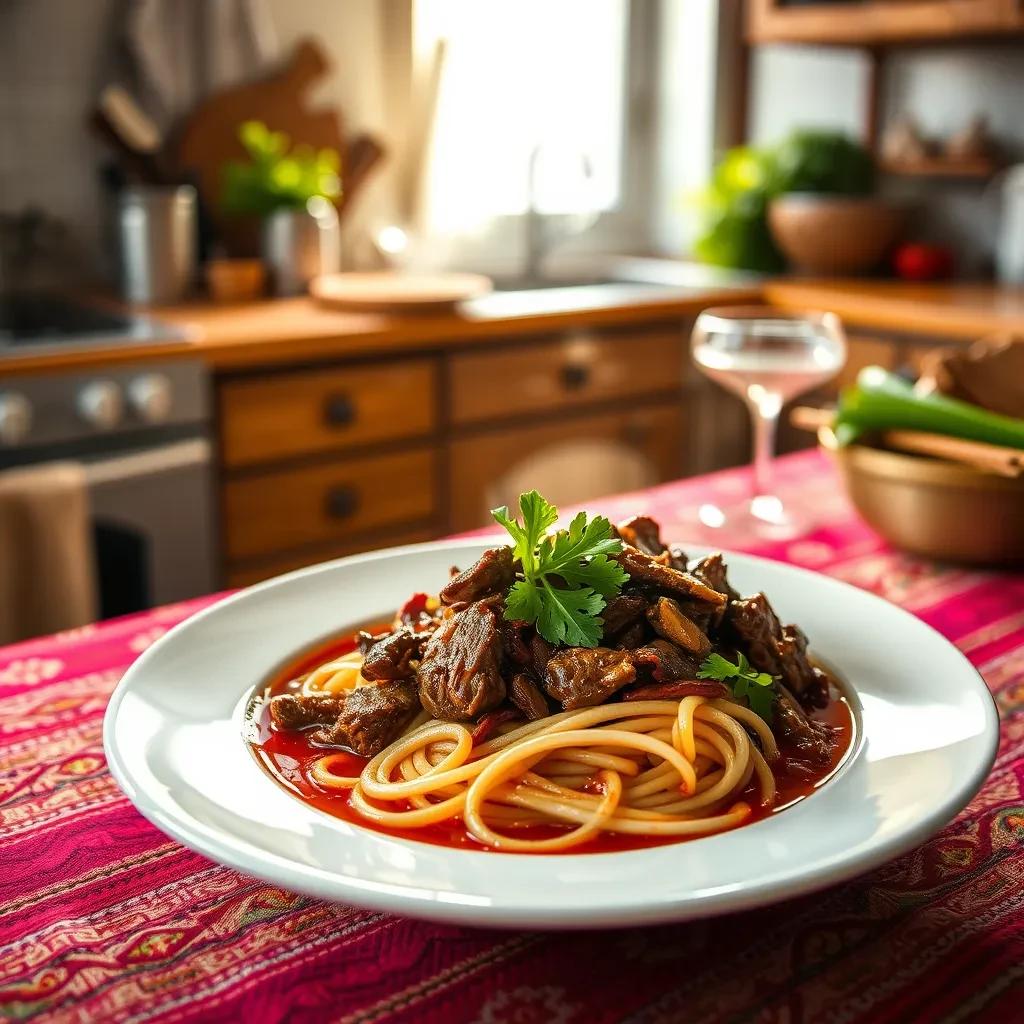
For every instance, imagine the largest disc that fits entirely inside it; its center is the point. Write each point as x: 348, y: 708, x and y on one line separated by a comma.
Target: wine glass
x: 767, y: 357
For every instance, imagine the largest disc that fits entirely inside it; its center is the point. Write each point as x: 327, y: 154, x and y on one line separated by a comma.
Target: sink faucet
x: 540, y: 239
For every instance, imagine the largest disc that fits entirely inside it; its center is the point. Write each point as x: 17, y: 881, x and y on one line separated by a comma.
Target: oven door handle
x: 165, y: 459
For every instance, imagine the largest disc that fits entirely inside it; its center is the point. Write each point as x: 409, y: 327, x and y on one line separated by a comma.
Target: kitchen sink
x: 636, y: 273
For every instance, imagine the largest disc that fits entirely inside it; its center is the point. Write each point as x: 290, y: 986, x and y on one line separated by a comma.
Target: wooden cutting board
x: 208, y: 138
x: 390, y: 292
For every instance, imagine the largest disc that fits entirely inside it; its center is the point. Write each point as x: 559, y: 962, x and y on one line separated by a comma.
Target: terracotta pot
x: 235, y: 280
x: 823, y: 234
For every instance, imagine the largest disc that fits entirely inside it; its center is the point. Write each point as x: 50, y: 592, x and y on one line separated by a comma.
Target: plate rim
x: 408, y: 902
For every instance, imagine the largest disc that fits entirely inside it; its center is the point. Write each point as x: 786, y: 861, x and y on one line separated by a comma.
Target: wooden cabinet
x: 329, y: 460
x: 867, y: 22
x: 327, y: 503
x: 277, y: 416
x: 578, y: 369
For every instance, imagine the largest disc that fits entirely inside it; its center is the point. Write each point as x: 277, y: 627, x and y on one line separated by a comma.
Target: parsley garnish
x: 567, y: 577
x: 745, y: 681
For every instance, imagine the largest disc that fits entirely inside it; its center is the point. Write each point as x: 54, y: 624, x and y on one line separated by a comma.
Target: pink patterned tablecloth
x: 106, y: 919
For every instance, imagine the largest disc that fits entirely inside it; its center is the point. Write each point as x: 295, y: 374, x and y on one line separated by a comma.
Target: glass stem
x: 764, y: 414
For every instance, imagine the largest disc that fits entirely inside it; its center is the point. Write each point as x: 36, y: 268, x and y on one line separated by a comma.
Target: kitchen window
x: 556, y: 92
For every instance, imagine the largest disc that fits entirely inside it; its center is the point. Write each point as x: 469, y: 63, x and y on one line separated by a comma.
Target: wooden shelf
x: 882, y: 22
x: 975, y: 169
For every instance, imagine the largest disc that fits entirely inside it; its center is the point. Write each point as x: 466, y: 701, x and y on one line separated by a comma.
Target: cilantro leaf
x: 524, y: 602
x: 571, y: 616
x: 567, y: 577
x: 516, y: 532
x: 715, y: 666
x: 601, y: 573
x: 538, y: 515
x: 583, y: 539
x: 746, y: 682
x: 762, y: 702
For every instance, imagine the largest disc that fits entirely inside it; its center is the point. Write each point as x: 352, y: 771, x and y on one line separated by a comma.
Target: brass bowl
x: 931, y: 507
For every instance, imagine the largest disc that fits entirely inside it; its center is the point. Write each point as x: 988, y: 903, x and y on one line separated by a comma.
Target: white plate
x: 173, y: 737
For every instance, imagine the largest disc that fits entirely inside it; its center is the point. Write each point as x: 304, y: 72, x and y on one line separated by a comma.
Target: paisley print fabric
x: 103, y: 918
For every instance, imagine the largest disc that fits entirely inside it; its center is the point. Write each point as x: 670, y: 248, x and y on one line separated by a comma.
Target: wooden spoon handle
x: 804, y: 417
x: 991, y: 457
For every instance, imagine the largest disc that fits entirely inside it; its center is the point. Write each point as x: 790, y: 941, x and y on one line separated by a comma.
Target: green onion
x: 882, y: 401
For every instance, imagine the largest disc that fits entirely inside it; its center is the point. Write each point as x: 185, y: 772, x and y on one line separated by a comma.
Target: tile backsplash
x: 53, y: 56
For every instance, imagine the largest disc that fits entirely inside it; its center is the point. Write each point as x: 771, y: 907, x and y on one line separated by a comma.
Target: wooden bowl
x: 940, y: 509
x: 823, y: 234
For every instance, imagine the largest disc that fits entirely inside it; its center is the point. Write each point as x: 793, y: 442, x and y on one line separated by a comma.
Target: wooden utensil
x: 361, y: 156
x: 992, y: 458
x: 120, y: 123
x: 387, y: 291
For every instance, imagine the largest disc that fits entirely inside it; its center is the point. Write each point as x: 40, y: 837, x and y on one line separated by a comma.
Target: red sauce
x: 289, y: 756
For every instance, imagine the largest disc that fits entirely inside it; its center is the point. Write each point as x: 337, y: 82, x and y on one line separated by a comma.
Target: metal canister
x: 156, y: 231
x: 300, y: 244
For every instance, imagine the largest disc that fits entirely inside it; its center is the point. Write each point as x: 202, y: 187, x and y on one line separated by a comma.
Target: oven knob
x: 15, y: 417
x: 150, y: 397
x: 100, y: 404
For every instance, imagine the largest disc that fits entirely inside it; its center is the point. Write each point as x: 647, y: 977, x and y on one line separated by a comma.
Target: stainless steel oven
x: 143, y: 433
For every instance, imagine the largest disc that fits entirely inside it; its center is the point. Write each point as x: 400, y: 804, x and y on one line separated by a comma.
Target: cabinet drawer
x: 270, y: 418
x: 564, y: 372
x: 647, y: 441
x: 276, y: 511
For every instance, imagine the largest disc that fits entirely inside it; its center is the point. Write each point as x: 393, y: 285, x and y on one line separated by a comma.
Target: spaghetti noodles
x: 659, y: 767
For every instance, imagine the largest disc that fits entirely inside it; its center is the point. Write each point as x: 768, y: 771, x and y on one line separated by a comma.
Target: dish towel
x: 47, y: 569
x: 182, y: 50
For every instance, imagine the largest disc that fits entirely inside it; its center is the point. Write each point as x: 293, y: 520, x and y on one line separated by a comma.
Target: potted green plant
x: 292, y: 191
x: 808, y: 202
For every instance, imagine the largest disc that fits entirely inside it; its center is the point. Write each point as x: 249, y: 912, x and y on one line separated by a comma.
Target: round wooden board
x: 391, y: 292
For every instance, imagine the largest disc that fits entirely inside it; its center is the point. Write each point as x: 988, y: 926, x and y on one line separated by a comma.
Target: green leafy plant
x: 734, y: 210
x: 567, y: 577
x: 735, y: 204
x: 745, y: 681
x: 277, y: 176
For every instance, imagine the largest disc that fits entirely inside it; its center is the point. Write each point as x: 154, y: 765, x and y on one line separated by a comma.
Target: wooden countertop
x: 946, y: 310
x: 275, y: 331
x: 278, y: 331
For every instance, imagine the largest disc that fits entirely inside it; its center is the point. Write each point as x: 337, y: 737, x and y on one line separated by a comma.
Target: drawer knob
x: 575, y: 376
x: 339, y: 410
x: 342, y: 501
x: 636, y: 432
